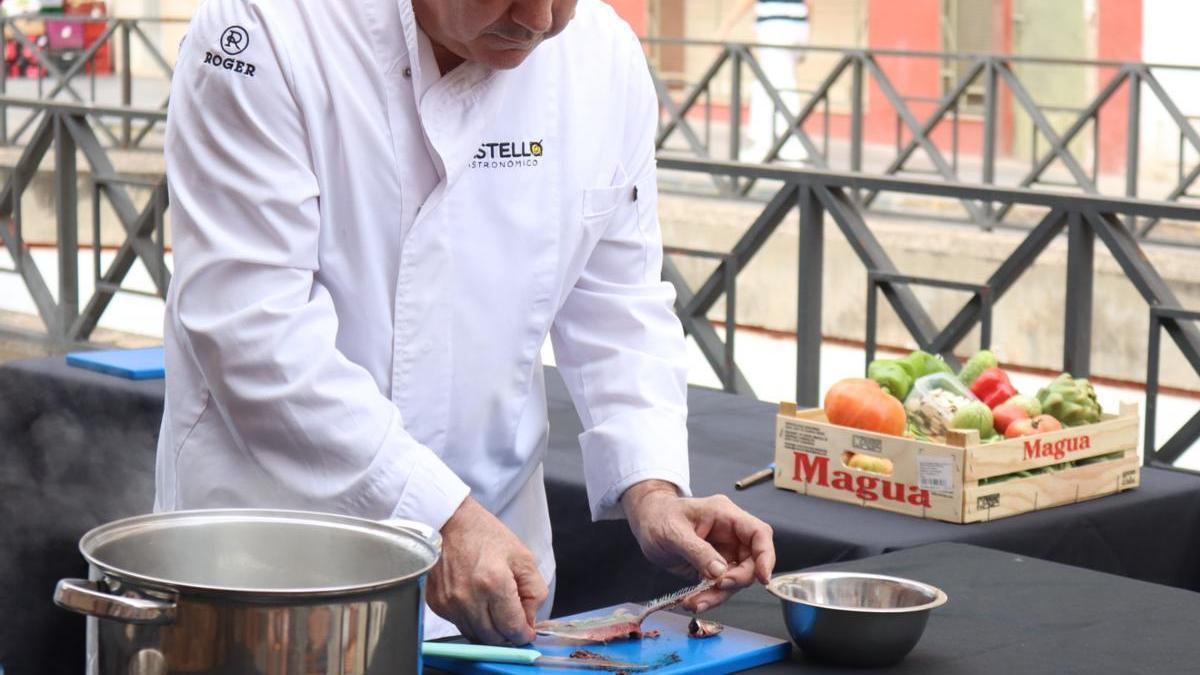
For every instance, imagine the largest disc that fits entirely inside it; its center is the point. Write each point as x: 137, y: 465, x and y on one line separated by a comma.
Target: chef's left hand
x: 711, y: 537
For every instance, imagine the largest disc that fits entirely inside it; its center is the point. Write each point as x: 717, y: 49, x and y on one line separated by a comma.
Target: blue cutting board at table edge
x: 733, y: 650
x: 132, y: 364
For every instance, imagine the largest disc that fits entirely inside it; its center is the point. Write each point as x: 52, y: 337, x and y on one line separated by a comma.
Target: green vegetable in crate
x: 992, y: 387
x: 891, y: 376
x: 919, y: 364
x: 896, y: 376
x: 1071, y: 401
x: 974, y: 415
x: 976, y: 365
x: 1030, y: 404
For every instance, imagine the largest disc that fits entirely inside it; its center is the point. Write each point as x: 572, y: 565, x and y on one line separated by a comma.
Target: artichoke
x: 1070, y: 401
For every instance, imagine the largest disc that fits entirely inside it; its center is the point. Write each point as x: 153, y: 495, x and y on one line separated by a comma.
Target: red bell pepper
x: 992, y: 387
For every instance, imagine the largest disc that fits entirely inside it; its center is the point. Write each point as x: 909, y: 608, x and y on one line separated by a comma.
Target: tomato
x: 1007, y: 413
x: 1028, y: 427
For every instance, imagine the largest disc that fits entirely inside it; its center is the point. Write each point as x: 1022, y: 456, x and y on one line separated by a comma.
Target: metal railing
x: 815, y: 192
x: 118, y: 36
x: 67, y: 130
x: 997, y: 74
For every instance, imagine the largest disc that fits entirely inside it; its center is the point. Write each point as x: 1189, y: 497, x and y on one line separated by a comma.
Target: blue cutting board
x: 133, y: 364
x: 733, y: 650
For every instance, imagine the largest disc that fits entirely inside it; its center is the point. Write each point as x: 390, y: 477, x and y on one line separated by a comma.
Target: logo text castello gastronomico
x: 507, y: 155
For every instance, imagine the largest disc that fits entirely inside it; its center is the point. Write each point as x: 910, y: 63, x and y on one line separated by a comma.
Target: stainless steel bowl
x: 849, y: 619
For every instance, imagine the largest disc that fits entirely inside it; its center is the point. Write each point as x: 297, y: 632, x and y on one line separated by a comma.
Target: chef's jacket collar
x: 460, y: 82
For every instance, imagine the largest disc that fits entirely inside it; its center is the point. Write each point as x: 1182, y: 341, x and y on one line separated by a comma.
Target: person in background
x: 776, y: 22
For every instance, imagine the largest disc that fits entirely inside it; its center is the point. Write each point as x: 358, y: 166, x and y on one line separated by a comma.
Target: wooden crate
x: 955, y: 481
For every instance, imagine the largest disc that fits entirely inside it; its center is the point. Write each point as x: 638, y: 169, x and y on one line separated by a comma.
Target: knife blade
x: 468, y: 652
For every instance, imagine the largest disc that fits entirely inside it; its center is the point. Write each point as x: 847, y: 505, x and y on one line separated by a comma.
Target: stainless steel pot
x: 253, y: 592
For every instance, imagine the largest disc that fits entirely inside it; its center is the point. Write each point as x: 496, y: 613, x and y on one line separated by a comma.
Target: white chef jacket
x: 369, y: 257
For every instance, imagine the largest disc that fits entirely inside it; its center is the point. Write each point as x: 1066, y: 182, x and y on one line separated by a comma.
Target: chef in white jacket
x: 381, y: 209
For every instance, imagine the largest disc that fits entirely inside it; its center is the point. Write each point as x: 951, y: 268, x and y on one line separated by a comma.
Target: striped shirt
x: 787, y: 10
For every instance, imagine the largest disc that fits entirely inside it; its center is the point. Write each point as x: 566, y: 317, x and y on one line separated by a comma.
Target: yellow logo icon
x: 536, y: 148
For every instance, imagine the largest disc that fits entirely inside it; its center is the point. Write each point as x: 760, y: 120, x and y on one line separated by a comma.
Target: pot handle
x: 430, y: 535
x: 87, y: 597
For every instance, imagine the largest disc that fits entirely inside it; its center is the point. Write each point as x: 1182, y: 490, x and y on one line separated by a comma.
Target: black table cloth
x: 77, y: 450
x: 1014, y: 614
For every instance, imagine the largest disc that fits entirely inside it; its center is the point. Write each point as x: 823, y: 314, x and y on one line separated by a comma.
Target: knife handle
x: 466, y: 652
x: 755, y: 478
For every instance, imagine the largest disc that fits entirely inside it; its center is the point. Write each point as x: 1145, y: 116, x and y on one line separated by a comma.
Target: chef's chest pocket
x: 622, y: 220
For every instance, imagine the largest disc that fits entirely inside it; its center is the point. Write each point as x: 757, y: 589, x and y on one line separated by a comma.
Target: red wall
x: 911, y: 25
x: 916, y: 25
x: 1120, y: 38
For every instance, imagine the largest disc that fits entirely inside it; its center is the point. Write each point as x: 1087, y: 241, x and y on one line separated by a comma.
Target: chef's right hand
x: 486, y: 582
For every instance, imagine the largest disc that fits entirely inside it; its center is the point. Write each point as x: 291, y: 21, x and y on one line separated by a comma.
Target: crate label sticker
x: 1129, y: 478
x: 935, y: 473
x: 986, y: 502
x: 867, y: 443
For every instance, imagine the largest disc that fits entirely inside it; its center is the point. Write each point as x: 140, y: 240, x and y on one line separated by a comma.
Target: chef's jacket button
x: 407, y: 71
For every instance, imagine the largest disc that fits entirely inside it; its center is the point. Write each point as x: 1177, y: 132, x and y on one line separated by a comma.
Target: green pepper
x: 919, y: 364
x: 896, y: 376
x: 891, y: 376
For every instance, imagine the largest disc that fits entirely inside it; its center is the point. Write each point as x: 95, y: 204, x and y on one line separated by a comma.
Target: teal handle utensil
x: 465, y: 652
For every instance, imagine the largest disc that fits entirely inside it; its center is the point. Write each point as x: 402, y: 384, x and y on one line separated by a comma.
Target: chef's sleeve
x: 247, y: 221
x: 617, y: 342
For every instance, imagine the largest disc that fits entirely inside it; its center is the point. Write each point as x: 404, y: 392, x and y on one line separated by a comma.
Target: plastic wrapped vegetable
x: 993, y: 387
x: 933, y: 403
x: 862, y: 404
x: 1070, y: 401
x: 946, y: 381
x: 976, y: 416
x: 976, y: 365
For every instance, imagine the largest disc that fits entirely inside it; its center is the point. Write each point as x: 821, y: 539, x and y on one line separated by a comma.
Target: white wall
x: 1169, y: 36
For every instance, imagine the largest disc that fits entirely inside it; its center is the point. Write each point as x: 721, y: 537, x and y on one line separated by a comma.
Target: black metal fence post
x: 1152, y: 359
x: 1132, y: 141
x: 857, y: 111
x: 126, y: 82
x: 66, y: 201
x: 735, y: 109
x: 991, y: 109
x: 728, y: 377
x: 3, y: 82
x: 810, y: 276
x: 1077, y: 333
